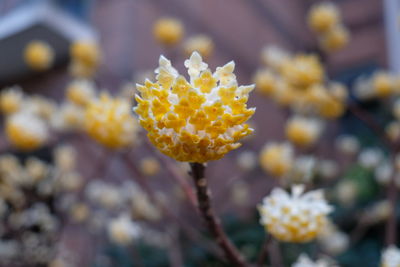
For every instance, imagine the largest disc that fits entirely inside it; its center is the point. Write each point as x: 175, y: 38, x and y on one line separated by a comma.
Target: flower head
x: 303, y: 131
x: 274, y: 57
x: 277, y: 158
x: 123, y: 230
x: 266, y: 81
x: 200, y: 43
x: 110, y: 122
x: 80, y: 92
x: 390, y: 257
x: 38, y: 55
x: 11, y: 100
x: 149, y: 166
x: 295, y: 217
x: 26, y: 131
x: 68, y: 117
x: 323, y: 17
x: 168, y: 31
x: 303, y: 70
x: 87, y: 52
x: 335, y: 39
x: 383, y: 84
x: 86, y: 57
x: 194, y: 121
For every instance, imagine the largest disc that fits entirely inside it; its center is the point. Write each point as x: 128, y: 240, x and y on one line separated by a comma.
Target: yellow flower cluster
x: 303, y: 131
x: 325, y: 20
x: 26, y: 118
x: 194, y: 121
x: 297, y: 81
x: 80, y: 92
x: 168, y: 31
x: 110, y: 122
x: 26, y: 131
x: 85, y: 58
x: 38, y: 55
x: 277, y: 158
x: 11, y: 100
x: 381, y: 84
x: 295, y: 217
x: 200, y: 43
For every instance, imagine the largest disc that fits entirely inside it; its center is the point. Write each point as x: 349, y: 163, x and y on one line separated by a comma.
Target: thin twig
x: 189, y: 231
x: 213, y: 223
x: 264, y: 251
x: 370, y: 122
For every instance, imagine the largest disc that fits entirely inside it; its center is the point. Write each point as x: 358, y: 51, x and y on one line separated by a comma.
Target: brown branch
x: 187, y: 228
x: 264, y: 251
x: 213, y: 223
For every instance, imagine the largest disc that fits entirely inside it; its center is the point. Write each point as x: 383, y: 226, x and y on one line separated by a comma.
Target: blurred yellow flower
x: 274, y: 57
x: 383, y: 84
x: 65, y: 158
x: 393, y: 130
x: 322, y: 17
x: 200, y: 43
x: 266, y: 81
x: 81, y: 92
x: 149, y: 166
x: 303, y: 131
x: 303, y: 70
x: 40, y: 106
x: 168, y: 31
x: 197, y: 121
x: 277, y: 158
x: 297, y: 217
x: 87, y: 52
x: 328, y: 103
x: 110, y: 122
x: 68, y: 117
x: 85, y: 58
x: 38, y: 55
x: 335, y: 39
x: 26, y: 131
x: 11, y: 100
x: 123, y: 230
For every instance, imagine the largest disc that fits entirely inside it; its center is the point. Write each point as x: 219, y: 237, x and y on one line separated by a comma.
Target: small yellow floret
x: 335, y: 39
x: 277, y: 159
x: 110, y: 122
x: 323, y: 17
x: 168, y: 31
x: 11, y: 100
x: 303, y: 71
x: 38, y: 55
x: 86, y: 52
x: 200, y: 43
x: 265, y: 81
x: 80, y: 92
x: 149, y: 166
x: 303, y: 131
x: 26, y: 131
x: 383, y: 84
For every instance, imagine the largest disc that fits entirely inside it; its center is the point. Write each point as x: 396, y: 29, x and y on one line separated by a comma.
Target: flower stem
x: 213, y: 223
